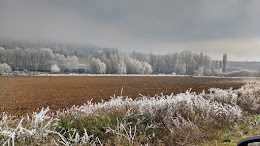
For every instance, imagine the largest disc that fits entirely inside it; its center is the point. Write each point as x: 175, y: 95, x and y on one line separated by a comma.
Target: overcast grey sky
x: 160, y: 26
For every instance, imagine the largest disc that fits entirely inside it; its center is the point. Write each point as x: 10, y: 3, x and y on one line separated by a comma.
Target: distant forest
x: 63, y: 57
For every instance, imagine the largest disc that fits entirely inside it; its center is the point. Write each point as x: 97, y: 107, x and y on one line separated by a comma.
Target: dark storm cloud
x: 211, y: 26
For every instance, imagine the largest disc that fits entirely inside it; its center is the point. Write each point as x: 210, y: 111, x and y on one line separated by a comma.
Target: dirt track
x: 19, y: 95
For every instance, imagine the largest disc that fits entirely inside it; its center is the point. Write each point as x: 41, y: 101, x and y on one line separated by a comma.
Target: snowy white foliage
x: 180, y: 68
x: 199, y: 72
x: 37, y: 128
x: 147, y: 68
x: 123, y: 130
x: 137, y: 67
x: 246, y: 97
x: 216, y: 104
x: 113, y: 60
x: 217, y: 72
x: 116, y: 62
x: 183, y: 110
x: 5, y: 68
x: 207, y: 72
x: 97, y: 66
x: 65, y: 63
x: 36, y: 59
x: 55, y: 68
x: 184, y: 63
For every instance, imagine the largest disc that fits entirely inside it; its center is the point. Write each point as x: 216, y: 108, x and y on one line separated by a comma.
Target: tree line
x: 36, y: 59
x: 63, y: 58
x: 111, y: 61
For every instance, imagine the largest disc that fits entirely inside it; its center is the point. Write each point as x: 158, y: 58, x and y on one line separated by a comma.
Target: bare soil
x: 21, y: 95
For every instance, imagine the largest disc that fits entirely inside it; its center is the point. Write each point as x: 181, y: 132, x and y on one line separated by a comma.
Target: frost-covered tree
x: 46, y: 57
x: 170, y: 60
x: 147, y: 68
x: 5, y: 68
x: 2, y: 55
x: 65, y: 63
x: 71, y: 62
x: 199, y: 72
x: 180, y: 68
x: 220, y: 64
x: 198, y: 61
x: 97, y: 66
x: 186, y: 57
x: 140, y: 56
x: 224, y: 67
x: 55, y: 68
x: 113, y: 59
x: 217, y: 72
x: 182, y: 63
x: 133, y: 66
x: 137, y: 67
x: 207, y: 72
x: 154, y: 62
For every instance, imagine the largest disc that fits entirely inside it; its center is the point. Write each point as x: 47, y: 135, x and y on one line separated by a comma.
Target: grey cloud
x: 160, y: 26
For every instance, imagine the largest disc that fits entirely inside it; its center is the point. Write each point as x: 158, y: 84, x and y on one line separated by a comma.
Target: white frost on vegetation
x: 169, y: 105
x: 55, y: 68
x: 184, y: 109
x: 5, y: 68
x: 246, y: 97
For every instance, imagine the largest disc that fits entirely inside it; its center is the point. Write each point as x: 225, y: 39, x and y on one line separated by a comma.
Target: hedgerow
x: 181, y: 119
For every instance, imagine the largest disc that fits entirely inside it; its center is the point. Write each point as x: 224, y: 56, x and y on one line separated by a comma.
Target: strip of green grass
x: 232, y: 135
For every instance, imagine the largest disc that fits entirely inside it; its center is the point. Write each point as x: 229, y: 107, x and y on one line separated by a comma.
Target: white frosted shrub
x: 199, y: 72
x: 5, y: 68
x: 247, y: 97
x: 55, y: 68
x: 217, y: 72
x: 97, y: 66
x: 169, y: 105
x: 134, y: 66
x: 180, y: 114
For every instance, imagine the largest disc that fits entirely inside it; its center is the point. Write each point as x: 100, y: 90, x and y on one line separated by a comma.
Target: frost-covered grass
x: 76, y: 74
x: 138, y: 75
x: 182, y: 119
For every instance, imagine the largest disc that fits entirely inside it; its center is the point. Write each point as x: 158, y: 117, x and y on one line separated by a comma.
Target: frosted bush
x: 5, y: 68
x: 97, y: 66
x: 199, y: 72
x: 134, y: 66
x: 55, y: 68
x: 37, y: 127
x: 217, y: 72
x: 180, y: 114
x: 168, y: 105
x: 247, y: 97
x: 124, y: 130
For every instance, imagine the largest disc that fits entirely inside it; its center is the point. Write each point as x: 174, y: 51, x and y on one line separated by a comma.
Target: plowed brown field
x: 20, y: 95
